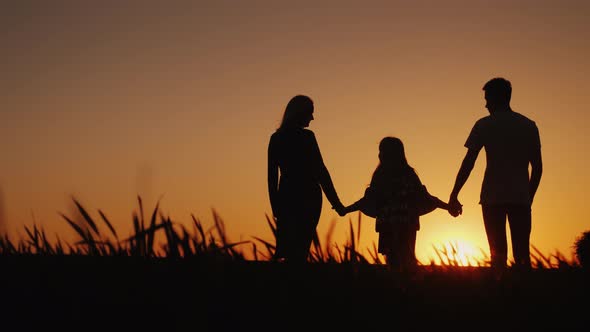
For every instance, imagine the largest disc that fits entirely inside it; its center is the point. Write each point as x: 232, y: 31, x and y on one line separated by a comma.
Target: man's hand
x: 455, y: 207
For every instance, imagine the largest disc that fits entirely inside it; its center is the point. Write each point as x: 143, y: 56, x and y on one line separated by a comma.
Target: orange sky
x: 104, y: 101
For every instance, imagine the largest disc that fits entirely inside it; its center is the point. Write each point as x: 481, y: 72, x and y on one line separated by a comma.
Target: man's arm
x: 536, y: 172
x: 462, y: 176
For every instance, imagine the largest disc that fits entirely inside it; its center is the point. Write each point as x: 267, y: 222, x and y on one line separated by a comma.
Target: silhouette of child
x: 396, y: 198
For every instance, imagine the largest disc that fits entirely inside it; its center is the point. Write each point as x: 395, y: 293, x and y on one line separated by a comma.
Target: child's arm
x: 366, y: 204
x: 444, y: 205
x: 440, y: 204
x: 355, y: 206
x: 428, y: 203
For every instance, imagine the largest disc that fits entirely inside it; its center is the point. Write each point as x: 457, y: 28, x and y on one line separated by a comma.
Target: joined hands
x: 341, y: 209
x: 455, y: 207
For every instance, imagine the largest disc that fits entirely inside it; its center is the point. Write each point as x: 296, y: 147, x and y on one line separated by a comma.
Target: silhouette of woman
x: 296, y: 198
x: 396, y: 198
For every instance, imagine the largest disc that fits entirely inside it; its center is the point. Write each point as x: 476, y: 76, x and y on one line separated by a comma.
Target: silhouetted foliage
x: 582, y: 249
x: 157, y: 236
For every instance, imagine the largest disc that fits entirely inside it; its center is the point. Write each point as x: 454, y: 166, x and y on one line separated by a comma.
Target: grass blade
x: 86, y: 216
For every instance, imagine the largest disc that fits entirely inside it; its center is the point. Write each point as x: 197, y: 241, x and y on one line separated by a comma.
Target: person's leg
x: 494, y: 219
x: 403, y: 240
x: 283, y: 239
x: 305, y: 221
x: 388, y: 246
x: 519, y: 221
x: 292, y: 244
x: 299, y: 241
x: 306, y: 238
x: 410, y: 248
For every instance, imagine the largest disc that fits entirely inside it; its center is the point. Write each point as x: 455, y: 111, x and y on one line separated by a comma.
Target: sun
x: 459, y: 253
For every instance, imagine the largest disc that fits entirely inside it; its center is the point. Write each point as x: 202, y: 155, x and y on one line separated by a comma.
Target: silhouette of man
x: 512, y: 143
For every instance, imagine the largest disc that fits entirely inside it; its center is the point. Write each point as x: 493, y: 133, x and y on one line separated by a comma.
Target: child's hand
x: 342, y: 211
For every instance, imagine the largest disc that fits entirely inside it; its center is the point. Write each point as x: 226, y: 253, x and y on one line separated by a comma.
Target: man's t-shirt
x: 510, y: 140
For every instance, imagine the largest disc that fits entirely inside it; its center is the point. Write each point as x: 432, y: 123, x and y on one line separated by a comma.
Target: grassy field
x: 129, y: 293
x: 194, y: 280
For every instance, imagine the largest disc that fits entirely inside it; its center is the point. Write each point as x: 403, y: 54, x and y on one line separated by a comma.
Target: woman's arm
x: 328, y: 188
x: 324, y: 178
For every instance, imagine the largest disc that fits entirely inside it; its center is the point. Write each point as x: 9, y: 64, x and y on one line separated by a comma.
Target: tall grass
x: 158, y: 236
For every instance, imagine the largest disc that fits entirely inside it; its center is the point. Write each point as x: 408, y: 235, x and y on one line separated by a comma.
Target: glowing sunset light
x: 107, y: 101
x: 459, y: 252
x: 153, y: 175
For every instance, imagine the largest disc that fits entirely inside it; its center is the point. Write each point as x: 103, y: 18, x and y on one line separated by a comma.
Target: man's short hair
x: 499, y: 89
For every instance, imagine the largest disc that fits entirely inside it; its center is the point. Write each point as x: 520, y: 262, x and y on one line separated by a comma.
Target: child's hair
x: 392, y: 158
x: 391, y: 153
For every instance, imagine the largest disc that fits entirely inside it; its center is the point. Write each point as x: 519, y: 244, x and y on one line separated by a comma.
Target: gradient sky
x: 106, y: 100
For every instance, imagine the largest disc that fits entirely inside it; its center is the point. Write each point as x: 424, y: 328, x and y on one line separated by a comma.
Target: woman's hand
x: 340, y: 209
